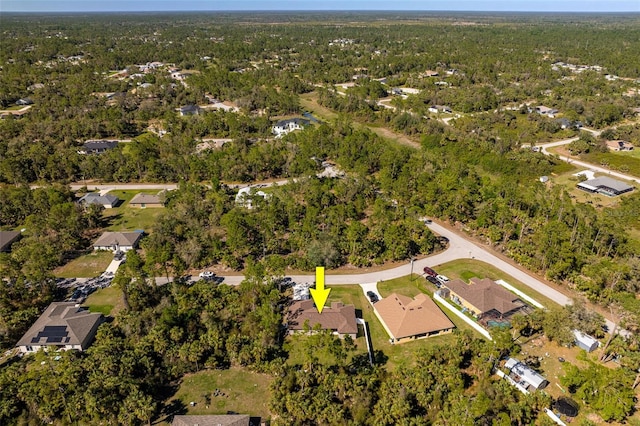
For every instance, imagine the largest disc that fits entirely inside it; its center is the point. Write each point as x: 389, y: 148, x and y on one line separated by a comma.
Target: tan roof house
x: 63, y: 325
x: 338, y: 318
x: 619, y: 146
x: 7, y: 238
x: 118, y: 241
x: 484, y: 297
x: 407, y: 319
x: 215, y: 420
x: 147, y: 200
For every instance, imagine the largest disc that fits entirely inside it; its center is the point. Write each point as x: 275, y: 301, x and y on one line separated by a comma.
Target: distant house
x: 189, y: 110
x: 244, y: 197
x: 407, y: 319
x: 107, y: 201
x: 483, y: 298
x: 118, y: 241
x: 7, y: 238
x: 63, y: 325
x: 605, y: 185
x: 525, y: 376
x: 584, y: 341
x: 24, y: 101
x: 283, y: 127
x: 146, y: 200
x: 97, y: 146
x: 565, y: 123
x: 619, y: 146
x: 396, y: 91
x: 215, y: 420
x: 439, y: 108
x: 339, y: 319
x: 636, y: 111
x: 543, y: 110
x: 430, y: 73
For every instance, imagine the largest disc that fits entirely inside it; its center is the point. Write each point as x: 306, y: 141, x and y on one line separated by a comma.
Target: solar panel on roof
x: 52, y: 334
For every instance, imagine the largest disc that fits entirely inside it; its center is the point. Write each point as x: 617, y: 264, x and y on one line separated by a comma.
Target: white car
x: 207, y: 275
x: 442, y: 278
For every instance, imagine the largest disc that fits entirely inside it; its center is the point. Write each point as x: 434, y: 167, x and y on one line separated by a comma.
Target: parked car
x: 429, y: 272
x: 207, y: 275
x: 434, y: 281
x: 118, y: 255
x: 442, y: 279
x: 372, y: 296
x: 428, y: 221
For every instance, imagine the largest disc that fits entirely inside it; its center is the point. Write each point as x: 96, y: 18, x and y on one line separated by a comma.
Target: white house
x: 525, y: 376
x: 283, y: 127
x: 584, y: 341
x: 245, y: 195
x: 439, y: 108
x: 118, y: 241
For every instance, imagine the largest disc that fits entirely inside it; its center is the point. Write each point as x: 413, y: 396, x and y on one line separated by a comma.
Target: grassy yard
x: 580, y: 196
x: 243, y: 392
x: 87, y: 266
x: 468, y: 268
x: 125, y: 218
x: 625, y: 162
x: 106, y: 300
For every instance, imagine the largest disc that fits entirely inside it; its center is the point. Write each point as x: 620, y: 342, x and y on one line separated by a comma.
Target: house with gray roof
x: 107, y: 201
x: 525, y: 376
x: 7, y: 238
x: 118, y: 241
x: 215, y: 420
x: 63, y: 325
x: 605, y: 185
x: 97, y: 146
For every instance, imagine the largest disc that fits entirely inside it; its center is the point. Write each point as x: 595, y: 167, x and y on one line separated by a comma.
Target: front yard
x: 86, y: 266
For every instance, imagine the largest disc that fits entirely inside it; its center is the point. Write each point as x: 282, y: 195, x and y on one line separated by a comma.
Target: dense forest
x: 84, y: 79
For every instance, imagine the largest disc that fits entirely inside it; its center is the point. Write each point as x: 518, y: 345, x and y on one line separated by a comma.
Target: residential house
x: 430, y: 73
x: 483, y: 298
x: 97, y: 146
x: 543, y: 110
x: 215, y: 420
x: 339, y: 319
x: 584, y: 341
x: 565, y: 123
x: 147, y: 200
x: 439, y: 108
x: 407, y: 319
x: 63, y: 325
x: 24, y: 101
x: 7, y: 238
x: 189, y: 110
x: 396, y: 91
x: 605, y: 185
x: 107, y: 201
x: 619, y: 146
x: 525, y: 376
x: 118, y: 241
x: 244, y: 197
x: 283, y: 127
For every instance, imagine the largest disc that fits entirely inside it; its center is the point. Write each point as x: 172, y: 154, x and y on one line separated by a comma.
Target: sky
x: 218, y: 5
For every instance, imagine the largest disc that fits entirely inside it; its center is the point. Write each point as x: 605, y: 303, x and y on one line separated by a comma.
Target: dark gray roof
x: 94, y: 145
x: 299, y: 121
x: 95, y: 198
x: 189, y: 109
x: 607, y: 182
x: 7, y: 238
x: 62, y: 323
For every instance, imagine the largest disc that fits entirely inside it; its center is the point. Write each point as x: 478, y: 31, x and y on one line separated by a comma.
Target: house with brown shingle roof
x: 147, y: 200
x: 63, y: 325
x: 483, y: 297
x: 339, y: 318
x: 215, y: 420
x: 407, y: 319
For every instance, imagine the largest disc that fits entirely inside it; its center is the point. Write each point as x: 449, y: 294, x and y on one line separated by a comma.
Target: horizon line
x: 634, y: 11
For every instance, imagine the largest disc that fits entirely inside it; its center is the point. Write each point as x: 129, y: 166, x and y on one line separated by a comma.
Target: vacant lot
x: 87, y: 266
x: 106, y: 301
x: 243, y: 392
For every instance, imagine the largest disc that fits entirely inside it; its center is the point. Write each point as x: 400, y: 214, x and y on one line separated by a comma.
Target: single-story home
x: 619, y: 146
x: 97, y: 146
x: 524, y: 375
x: 283, y: 127
x: 245, y: 195
x: 7, y: 238
x: 483, y: 297
x: 605, y: 185
x: 541, y: 109
x: 189, y: 110
x: 107, y: 201
x: 565, y: 123
x: 118, y: 241
x: 407, y: 319
x: 63, y: 325
x: 430, y: 73
x: 146, y: 200
x: 215, y: 420
x: 439, y: 108
x: 338, y: 318
x: 24, y: 101
x: 586, y: 342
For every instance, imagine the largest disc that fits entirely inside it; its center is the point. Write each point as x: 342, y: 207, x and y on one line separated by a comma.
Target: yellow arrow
x: 320, y: 294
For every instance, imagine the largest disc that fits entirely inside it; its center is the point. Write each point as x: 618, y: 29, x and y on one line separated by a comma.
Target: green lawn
x: 106, y: 300
x: 625, y: 162
x: 468, y: 268
x: 125, y: 218
x: 87, y: 266
x: 245, y: 392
